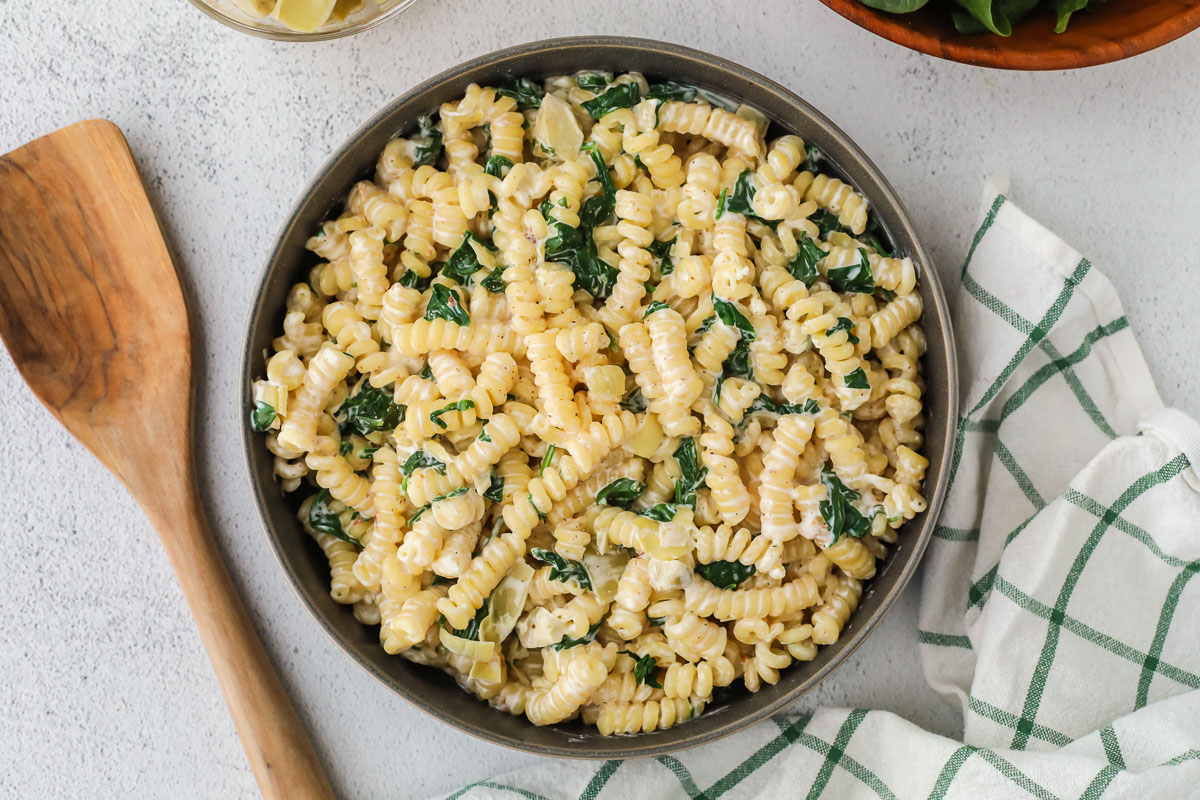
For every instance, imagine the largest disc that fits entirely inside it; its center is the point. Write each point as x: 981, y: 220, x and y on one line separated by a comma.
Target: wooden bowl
x: 430, y: 689
x: 1117, y: 29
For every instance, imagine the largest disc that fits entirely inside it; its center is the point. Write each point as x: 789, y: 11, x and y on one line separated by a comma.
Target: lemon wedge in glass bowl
x: 304, y: 16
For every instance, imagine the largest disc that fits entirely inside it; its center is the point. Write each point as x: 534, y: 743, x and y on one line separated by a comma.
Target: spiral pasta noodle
x: 652, y: 715
x: 704, y: 599
x: 633, y: 211
x: 723, y: 479
x: 554, y: 391
x: 840, y: 198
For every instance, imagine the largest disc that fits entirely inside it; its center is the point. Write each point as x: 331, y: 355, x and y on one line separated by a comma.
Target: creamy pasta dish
x: 599, y: 399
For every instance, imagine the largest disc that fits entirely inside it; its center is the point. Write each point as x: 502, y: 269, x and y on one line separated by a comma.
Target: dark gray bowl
x: 431, y: 690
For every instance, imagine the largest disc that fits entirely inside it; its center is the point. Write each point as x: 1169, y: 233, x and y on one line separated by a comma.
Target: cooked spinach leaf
x: 527, y: 93
x: 879, y: 240
x: 446, y: 303
x: 498, y: 166
x: 856, y: 278
x: 657, y: 305
x: 262, y: 417
x: 596, y: 210
x: 464, y: 261
x: 662, y: 512
x: 370, y: 409
x: 635, y: 401
x: 739, y: 201
x: 661, y: 249
x: 587, y: 638
x: 427, y: 144
x: 621, y: 95
x: 593, y: 81
x: 838, y: 509
x: 494, y: 282
x: 436, y: 416
x: 460, y: 491
x: 411, y: 280
x: 321, y: 518
x: 495, y: 490
x: 764, y: 403
x: 670, y: 90
x: 421, y: 460
x: 645, y: 670
x: 563, y: 569
x: 826, y: 222
x: 813, y: 156
x: 472, y: 630
x: 541, y: 516
x: 804, y: 266
x: 576, y: 249
x: 621, y: 493
x: 732, y: 316
x: 725, y: 574
x: 844, y: 324
x: 737, y: 365
x: 857, y: 380
x: 692, y: 474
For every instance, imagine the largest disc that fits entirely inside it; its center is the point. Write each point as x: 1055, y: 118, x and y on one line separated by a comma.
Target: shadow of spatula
x: 93, y: 315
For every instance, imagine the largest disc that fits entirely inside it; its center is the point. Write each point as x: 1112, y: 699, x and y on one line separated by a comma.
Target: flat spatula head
x: 93, y: 315
x: 90, y: 306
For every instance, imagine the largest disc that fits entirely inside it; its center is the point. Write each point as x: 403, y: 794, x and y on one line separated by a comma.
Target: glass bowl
x: 368, y: 15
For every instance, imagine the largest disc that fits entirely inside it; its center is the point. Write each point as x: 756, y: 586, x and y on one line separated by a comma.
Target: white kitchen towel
x: 1057, y: 605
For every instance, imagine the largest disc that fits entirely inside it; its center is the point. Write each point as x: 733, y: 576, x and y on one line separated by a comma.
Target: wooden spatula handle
x: 275, y: 742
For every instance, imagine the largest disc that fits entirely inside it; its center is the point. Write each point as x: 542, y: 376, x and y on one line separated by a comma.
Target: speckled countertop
x: 106, y: 690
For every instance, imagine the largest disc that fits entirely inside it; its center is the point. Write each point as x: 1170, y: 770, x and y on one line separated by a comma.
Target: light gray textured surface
x: 106, y: 690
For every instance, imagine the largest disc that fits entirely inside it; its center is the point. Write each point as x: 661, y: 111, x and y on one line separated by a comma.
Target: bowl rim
x: 649, y: 744
x: 1053, y: 58
x: 300, y: 36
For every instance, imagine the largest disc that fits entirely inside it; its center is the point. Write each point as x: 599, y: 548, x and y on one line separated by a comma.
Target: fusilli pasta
x: 600, y: 402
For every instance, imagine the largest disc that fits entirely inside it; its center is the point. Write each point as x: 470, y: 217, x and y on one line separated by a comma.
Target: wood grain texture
x: 94, y: 318
x: 1117, y: 29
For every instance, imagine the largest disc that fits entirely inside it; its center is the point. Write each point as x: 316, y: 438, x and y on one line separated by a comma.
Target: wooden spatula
x: 93, y: 315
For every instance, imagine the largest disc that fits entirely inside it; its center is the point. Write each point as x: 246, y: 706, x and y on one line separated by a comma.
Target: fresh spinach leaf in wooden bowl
x: 990, y: 16
x: 1092, y: 31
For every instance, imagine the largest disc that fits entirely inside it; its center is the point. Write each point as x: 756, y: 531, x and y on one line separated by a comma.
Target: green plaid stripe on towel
x: 1058, y: 603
